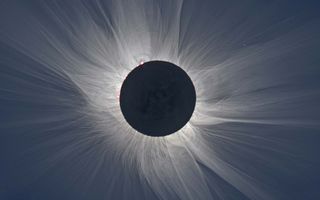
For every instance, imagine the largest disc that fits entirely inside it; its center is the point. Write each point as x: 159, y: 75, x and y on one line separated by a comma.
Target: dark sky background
x: 37, y: 105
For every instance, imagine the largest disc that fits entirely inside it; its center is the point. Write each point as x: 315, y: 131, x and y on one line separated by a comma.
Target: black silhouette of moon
x: 157, y: 98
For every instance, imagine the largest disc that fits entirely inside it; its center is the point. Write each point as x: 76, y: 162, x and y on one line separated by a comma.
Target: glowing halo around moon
x: 245, y: 106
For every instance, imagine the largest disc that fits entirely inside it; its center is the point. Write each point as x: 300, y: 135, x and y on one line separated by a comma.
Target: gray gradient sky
x: 261, y: 88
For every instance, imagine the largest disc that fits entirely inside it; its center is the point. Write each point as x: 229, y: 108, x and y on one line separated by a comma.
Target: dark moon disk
x: 157, y: 98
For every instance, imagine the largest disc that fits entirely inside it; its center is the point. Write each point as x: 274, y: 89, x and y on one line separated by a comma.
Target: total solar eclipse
x: 157, y: 98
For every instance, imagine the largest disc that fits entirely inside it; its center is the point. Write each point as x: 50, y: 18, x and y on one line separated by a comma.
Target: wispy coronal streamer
x: 254, y: 133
